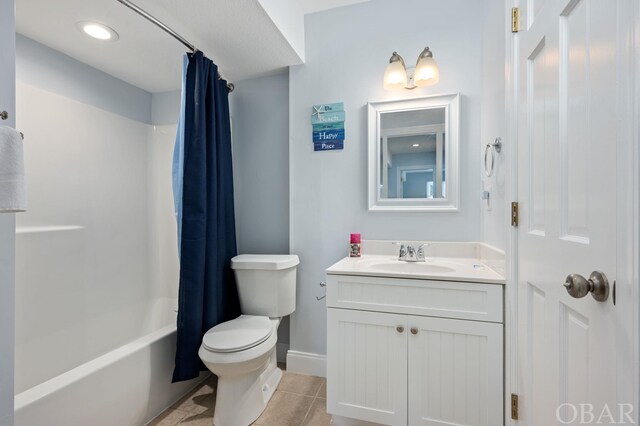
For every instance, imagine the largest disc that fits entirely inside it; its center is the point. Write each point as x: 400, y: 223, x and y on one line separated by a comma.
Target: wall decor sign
x: 328, y: 117
x: 328, y: 126
x: 328, y: 146
x: 328, y: 135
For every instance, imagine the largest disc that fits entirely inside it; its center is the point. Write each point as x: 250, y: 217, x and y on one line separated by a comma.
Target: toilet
x: 241, y: 352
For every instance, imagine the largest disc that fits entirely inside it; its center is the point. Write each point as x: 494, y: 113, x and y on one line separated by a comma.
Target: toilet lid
x: 241, y: 333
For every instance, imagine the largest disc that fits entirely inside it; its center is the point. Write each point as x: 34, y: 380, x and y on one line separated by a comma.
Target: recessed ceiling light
x: 98, y: 31
x: 415, y: 145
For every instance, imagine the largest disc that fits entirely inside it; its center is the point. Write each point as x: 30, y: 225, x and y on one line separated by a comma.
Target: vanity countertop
x: 446, y: 261
x: 437, y: 268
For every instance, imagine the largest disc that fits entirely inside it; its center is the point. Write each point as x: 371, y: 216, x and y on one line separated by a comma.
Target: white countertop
x: 463, y: 269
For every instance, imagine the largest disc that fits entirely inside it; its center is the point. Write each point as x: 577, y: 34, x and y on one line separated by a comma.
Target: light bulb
x: 426, y: 72
x: 98, y: 31
x: 395, y: 76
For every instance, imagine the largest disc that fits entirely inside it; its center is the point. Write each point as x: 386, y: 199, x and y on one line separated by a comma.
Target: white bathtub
x: 127, y: 386
x: 96, y: 267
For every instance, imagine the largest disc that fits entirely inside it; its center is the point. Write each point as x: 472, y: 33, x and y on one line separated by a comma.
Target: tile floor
x: 299, y: 401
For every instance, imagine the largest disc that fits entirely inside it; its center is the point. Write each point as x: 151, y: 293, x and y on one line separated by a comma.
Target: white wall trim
x: 628, y: 206
x: 307, y: 363
x: 511, y: 361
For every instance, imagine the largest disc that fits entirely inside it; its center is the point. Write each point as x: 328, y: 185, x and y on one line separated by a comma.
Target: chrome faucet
x: 409, y: 253
x: 403, y: 252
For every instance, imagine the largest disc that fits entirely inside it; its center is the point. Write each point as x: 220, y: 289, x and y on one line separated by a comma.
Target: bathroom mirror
x: 413, y: 154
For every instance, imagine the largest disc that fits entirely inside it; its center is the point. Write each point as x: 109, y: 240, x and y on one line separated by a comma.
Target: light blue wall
x: 165, y: 107
x: 51, y: 70
x: 48, y: 69
x: 404, y: 160
x: 415, y: 185
x: 347, y: 50
x: 260, y: 124
x: 495, y: 221
x: 260, y: 115
x: 7, y: 220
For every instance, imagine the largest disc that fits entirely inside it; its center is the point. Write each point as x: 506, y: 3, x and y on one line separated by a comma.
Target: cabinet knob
x: 400, y: 329
x: 414, y: 330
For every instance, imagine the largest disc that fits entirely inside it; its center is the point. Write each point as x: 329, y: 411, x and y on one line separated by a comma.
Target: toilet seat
x: 239, y: 334
x: 248, y: 355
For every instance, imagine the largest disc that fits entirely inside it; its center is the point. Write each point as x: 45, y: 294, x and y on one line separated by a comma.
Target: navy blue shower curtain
x: 208, y: 294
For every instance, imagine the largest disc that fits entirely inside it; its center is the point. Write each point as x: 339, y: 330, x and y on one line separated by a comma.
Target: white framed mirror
x: 413, y: 154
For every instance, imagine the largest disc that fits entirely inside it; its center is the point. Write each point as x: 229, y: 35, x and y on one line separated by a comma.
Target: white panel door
x: 567, y: 193
x: 455, y: 372
x: 367, y: 366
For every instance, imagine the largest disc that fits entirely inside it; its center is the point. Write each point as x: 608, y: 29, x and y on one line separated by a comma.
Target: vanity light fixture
x: 97, y: 31
x: 398, y: 76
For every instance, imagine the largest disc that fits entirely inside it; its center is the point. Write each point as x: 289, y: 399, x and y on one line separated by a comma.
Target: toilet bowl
x: 241, y: 352
x: 246, y: 369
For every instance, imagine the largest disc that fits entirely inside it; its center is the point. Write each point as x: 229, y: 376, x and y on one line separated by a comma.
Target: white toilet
x: 241, y: 352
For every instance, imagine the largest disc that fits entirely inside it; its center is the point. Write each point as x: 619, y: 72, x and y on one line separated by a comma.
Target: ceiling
x: 312, y: 6
x: 410, y: 118
x: 240, y: 35
x: 404, y: 144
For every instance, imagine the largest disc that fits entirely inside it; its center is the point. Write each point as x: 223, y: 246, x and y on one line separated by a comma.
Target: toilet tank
x: 266, y: 283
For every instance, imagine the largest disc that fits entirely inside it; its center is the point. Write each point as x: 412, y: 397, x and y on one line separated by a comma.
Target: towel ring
x: 495, y: 147
x: 4, y: 115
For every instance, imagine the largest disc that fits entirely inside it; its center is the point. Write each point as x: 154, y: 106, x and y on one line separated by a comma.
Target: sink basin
x: 411, y: 267
x: 439, y: 268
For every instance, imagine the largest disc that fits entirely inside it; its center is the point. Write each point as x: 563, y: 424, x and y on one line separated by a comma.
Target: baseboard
x: 345, y: 421
x: 281, y: 351
x: 307, y: 363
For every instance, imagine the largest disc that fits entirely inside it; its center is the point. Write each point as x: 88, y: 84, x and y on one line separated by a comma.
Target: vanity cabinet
x: 414, y: 352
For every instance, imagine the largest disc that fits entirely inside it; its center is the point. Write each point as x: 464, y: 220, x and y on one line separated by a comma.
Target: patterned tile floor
x: 299, y: 401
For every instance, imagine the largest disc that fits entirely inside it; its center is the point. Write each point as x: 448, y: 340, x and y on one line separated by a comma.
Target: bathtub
x: 97, y: 267
x: 127, y: 386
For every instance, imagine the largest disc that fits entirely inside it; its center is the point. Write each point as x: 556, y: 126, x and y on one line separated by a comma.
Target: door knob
x: 414, y: 330
x: 400, y: 329
x: 597, y: 284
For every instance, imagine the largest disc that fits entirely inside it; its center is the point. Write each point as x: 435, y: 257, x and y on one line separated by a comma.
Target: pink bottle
x: 354, y: 250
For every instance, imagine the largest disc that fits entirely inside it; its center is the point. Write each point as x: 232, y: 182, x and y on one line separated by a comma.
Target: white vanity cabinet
x: 414, y: 351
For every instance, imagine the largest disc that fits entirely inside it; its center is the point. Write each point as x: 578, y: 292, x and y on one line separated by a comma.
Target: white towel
x: 12, y: 187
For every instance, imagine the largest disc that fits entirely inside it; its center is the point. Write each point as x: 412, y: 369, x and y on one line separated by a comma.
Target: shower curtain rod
x: 167, y: 29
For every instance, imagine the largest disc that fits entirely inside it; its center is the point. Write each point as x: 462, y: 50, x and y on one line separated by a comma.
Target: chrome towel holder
x: 493, y: 148
x: 4, y: 115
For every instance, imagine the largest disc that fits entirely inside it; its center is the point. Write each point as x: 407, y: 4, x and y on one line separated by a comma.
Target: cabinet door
x: 367, y: 366
x: 455, y: 372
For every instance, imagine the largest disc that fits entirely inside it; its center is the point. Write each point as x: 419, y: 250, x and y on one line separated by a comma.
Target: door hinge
x: 515, y: 19
x: 514, y: 406
x: 514, y: 214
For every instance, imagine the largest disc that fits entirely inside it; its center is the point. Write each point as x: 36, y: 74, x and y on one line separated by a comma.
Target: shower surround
x: 96, y: 266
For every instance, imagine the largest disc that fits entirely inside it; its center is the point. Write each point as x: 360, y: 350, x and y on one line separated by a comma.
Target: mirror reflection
x: 412, y: 154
